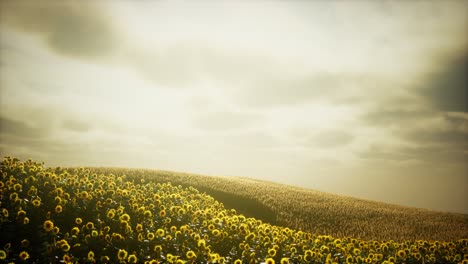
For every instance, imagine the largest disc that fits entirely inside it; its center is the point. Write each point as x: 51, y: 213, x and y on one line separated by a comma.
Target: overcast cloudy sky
x: 363, y: 98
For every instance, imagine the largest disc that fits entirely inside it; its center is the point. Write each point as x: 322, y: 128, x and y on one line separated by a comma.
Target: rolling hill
x: 314, y: 211
x: 111, y: 215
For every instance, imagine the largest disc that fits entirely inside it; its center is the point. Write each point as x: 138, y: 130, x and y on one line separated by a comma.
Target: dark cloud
x: 425, y: 154
x: 46, y: 142
x: 445, y: 138
x: 48, y: 149
x: 457, y: 121
x: 447, y: 89
x: 452, y: 134
x: 21, y: 129
x: 383, y: 153
x: 428, y: 136
x: 389, y: 117
x: 70, y: 28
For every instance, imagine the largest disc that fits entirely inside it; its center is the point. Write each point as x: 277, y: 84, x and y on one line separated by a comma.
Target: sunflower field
x: 83, y: 215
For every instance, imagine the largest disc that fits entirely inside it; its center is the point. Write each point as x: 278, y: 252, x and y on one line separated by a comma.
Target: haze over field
x: 361, y: 98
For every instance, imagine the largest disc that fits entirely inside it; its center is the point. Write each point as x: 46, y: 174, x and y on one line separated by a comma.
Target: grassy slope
x: 317, y: 212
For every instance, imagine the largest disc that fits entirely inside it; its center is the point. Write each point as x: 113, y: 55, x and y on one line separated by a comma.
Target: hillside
x: 85, y: 215
x: 314, y: 211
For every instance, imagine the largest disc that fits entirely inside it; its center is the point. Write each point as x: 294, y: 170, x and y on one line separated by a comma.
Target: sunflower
x: 13, y: 196
x: 26, y: 220
x: 24, y: 255
x: 105, y: 259
x: 66, y: 258
x: 5, y: 212
x: 140, y: 237
x: 84, y: 195
x: 90, y: 225
x: 3, y: 254
x: 65, y: 247
x: 122, y: 254
x: 58, y: 209
x: 324, y: 249
x: 78, y: 221
x: 139, y: 228
x: 401, y: 253
x: 148, y: 214
x: 111, y: 214
x: 48, y: 225
x: 91, y: 256
x: 308, y: 258
x: 17, y: 187
x: 215, y: 232
x: 213, y: 257
x: 171, y: 258
x: 272, y: 252
x: 162, y: 213
x: 21, y: 213
x: 284, y: 261
x: 160, y: 232
x: 269, y: 261
x: 75, y: 231
x: 58, y: 200
x: 36, y: 202
x: 417, y: 256
x: 7, y: 246
x: 190, y: 254
x: 293, y: 250
x: 238, y: 261
x: 201, y: 243
x: 157, y: 248
x: 25, y: 243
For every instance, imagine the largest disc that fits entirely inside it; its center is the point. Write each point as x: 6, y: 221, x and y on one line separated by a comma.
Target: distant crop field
x: 90, y: 215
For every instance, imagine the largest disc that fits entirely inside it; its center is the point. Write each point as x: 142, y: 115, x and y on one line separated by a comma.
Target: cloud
x: 446, y: 88
x: 424, y: 135
x: 331, y: 139
x: 185, y: 64
x: 21, y: 129
x: 282, y: 89
x: 448, y: 138
x: 76, y: 125
x: 394, y: 116
x: 311, y: 90
x: 227, y: 120
x: 418, y: 154
x: 69, y: 28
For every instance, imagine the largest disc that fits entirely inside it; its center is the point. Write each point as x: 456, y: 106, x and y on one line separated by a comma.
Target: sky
x: 361, y: 98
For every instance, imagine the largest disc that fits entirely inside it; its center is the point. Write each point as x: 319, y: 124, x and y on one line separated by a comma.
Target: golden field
x: 108, y: 215
x: 314, y: 211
